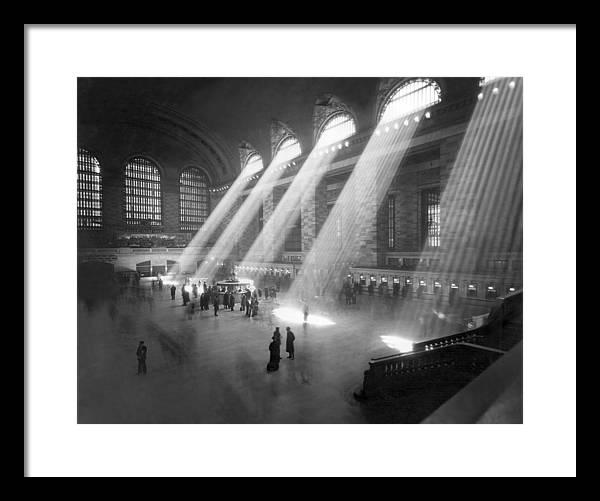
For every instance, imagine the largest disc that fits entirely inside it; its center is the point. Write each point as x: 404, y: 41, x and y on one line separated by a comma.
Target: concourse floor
x: 207, y: 369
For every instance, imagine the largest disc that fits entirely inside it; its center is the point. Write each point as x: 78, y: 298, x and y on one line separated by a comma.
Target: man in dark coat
x: 231, y: 301
x: 273, y: 364
x: 243, y: 303
x: 289, y: 342
x: 305, y: 312
x: 216, y: 305
x: 141, y: 357
x: 173, y: 290
x: 277, y: 335
x: 226, y: 300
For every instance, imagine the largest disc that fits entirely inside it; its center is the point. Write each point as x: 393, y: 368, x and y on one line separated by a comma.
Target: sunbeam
x: 352, y: 221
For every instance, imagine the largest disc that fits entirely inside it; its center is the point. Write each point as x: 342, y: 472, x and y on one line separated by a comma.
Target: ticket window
x: 490, y: 292
x: 511, y: 289
x: 422, y: 287
x: 363, y: 280
x: 383, y: 286
x: 453, y: 292
x: 407, y: 287
x: 396, y: 285
x: 472, y: 290
x: 372, y: 284
x: 437, y: 287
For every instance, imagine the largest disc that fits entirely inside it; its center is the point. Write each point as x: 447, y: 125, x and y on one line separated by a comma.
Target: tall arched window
x: 410, y: 97
x: 143, y: 201
x: 336, y: 128
x: 253, y: 165
x: 288, y: 149
x: 89, y: 191
x: 193, y: 199
x: 486, y: 80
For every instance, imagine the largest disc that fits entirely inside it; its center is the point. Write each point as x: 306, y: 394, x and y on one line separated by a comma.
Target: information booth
x: 235, y: 287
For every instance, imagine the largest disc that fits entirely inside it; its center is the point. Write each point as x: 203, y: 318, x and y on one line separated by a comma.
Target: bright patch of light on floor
x: 398, y: 343
x: 293, y: 315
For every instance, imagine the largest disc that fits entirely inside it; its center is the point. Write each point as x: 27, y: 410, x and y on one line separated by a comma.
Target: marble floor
x: 207, y: 369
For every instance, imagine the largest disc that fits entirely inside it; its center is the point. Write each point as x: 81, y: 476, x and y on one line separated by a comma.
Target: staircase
x: 445, y: 365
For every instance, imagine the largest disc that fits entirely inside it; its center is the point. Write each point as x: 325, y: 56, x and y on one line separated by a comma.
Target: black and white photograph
x: 372, y: 226
x: 263, y: 247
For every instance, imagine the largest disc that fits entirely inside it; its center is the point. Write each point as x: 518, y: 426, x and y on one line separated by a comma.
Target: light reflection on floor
x: 295, y: 316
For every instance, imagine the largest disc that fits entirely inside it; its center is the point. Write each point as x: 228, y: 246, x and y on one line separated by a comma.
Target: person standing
x: 243, y: 303
x: 277, y: 335
x: 173, y: 290
x: 274, y: 358
x: 231, y: 301
x: 289, y: 343
x: 226, y: 300
x: 141, y: 353
x: 195, y: 290
x: 305, y: 312
x: 216, y: 305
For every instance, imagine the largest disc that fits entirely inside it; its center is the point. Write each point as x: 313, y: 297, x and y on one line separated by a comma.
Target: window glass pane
x: 254, y: 164
x: 431, y: 217
x: 89, y: 191
x: 193, y: 199
x: 411, y: 97
x: 143, y: 205
x: 337, y: 128
x: 288, y: 149
x: 391, y: 222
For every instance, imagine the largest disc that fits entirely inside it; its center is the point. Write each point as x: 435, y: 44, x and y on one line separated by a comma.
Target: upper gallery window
x: 89, y: 191
x: 193, y: 199
x: 143, y: 201
x: 410, y: 97
x: 288, y: 149
x: 254, y: 164
x: 336, y: 128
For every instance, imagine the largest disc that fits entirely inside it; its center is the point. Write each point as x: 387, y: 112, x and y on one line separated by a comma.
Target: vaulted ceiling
x: 213, y: 116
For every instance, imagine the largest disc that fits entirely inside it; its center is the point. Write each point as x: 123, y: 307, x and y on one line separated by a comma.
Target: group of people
x: 275, y: 348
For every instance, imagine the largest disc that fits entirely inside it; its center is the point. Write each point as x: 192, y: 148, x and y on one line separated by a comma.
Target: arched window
x: 89, y: 191
x: 143, y: 201
x: 486, y: 80
x: 253, y: 165
x: 410, y: 97
x: 336, y: 128
x: 288, y: 149
x: 193, y: 199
